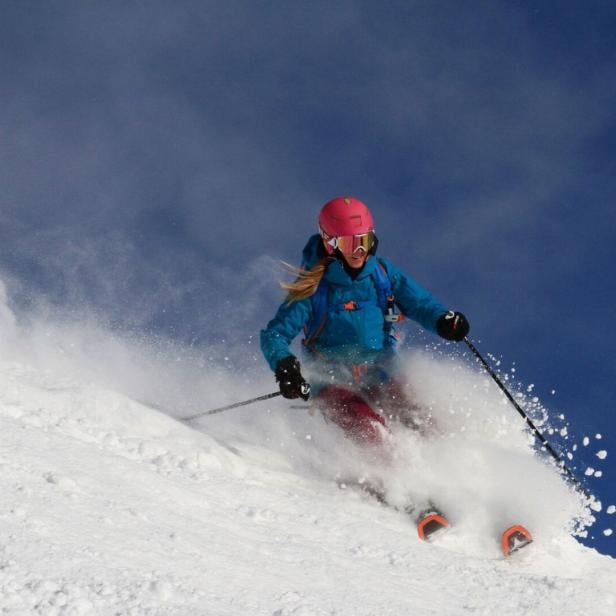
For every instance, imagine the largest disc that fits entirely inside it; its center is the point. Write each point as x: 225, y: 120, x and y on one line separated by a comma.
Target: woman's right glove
x: 453, y: 326
x: 292, y: 383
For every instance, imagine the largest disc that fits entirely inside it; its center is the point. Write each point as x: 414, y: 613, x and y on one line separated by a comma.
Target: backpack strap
x: 385, y: 296
x: 315, y: 325
x: 382, y: 284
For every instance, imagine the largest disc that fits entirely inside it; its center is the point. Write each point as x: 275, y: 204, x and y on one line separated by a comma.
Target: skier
x: 347, y: 300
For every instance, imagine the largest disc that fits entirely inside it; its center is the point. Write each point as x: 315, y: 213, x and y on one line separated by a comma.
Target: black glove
x: 290, y: 379
x: 453, y: 326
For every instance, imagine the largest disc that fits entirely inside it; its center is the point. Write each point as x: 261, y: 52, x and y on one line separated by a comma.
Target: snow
x: 111, y: 506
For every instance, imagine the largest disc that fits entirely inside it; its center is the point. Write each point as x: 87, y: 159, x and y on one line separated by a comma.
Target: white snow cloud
x: 8, y: 322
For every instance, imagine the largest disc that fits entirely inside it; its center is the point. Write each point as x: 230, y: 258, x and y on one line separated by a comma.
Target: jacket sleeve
x: 282, y: 329
x: 414, y: 301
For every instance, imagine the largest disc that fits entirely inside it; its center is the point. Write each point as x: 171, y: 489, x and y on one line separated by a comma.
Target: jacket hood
x: 313, y: 251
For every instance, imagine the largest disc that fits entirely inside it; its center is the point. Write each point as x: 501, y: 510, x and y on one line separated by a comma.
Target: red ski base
x: 515, y: 538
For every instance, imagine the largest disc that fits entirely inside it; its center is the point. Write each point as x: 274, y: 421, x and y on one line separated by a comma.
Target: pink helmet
x: 345, y: 216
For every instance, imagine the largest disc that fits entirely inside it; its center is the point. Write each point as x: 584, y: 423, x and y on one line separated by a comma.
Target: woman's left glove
x: 289, y: 377
x: 453, y: 326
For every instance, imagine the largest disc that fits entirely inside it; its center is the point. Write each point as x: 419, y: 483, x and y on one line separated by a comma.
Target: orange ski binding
x: 515, y: 538
x: 430, y: 523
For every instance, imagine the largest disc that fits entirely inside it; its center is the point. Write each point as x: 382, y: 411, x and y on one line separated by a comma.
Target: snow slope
x: 112, y: 507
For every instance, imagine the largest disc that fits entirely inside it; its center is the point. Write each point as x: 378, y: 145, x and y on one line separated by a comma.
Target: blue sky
x: 157, y: 158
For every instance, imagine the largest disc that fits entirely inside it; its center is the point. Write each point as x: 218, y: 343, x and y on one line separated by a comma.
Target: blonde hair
x: 307, y: 280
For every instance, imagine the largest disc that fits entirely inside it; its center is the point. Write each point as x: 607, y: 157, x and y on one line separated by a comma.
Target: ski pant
x: 366, y: 412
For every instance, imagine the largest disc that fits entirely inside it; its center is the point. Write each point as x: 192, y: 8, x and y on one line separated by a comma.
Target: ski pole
x: 232, y: 406
x: 531, y: 425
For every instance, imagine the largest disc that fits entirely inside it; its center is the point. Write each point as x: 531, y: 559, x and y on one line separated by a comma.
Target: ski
x: 431, y: 523
x: 515, y: 538
x: 373, y: 490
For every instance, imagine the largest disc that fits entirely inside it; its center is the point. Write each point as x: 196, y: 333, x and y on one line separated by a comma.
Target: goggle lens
x: 350, y: 244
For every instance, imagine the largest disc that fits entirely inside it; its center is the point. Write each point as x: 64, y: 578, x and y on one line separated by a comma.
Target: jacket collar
x: 335, y: 272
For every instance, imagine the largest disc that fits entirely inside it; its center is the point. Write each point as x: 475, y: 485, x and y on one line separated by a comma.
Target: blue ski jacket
x: 349, y: 336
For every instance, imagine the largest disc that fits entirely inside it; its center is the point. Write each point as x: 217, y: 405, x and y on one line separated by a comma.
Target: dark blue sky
x: 156, y: 158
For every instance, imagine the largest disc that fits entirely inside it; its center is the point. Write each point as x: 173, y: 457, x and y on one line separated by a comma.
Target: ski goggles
x: 349, y: 244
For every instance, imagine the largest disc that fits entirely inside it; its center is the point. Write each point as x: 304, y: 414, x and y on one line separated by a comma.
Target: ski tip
x: 430, y: 524
x: 515, y: 538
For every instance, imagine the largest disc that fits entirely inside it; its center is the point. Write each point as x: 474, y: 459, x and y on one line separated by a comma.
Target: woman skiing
x: 347, y: 301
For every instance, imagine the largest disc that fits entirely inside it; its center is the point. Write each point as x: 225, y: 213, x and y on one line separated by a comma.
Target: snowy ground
x: 111, y: 507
